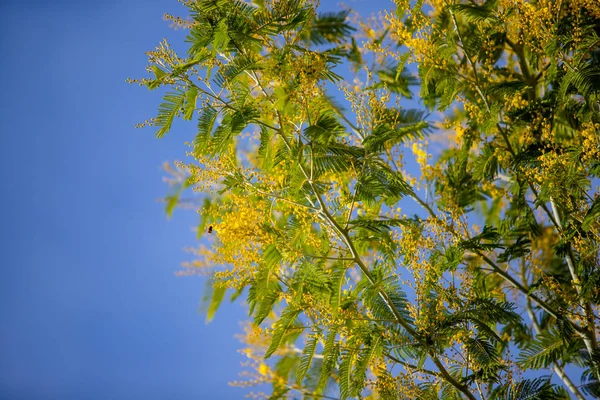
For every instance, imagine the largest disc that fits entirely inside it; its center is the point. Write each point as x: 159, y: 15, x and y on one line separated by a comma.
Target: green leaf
x: 354, y: 55
x: 282, y: 326
x: 206, y: 123
x: 221, y: 36
x: 171, y: 202
x: 449, y: 258
x: 506, y: 89
x: 396, y: 126
x: 215, y: 302
x: 158, y: 72
x: 590, y: 385
x: 325, y: 130
x: 396, y: 79
x: 313, y: 279
x: 285, y: 365
x: 204, y: 217
x: 238, y: 66
x: 345, y: 373
x: 379, y: 225
x: 173, y: 199
x: 592, y: 216
x: 267, y: 298
x: 482, y: 351
x: 330, y: 356
x: 329, y: 27
x: 483, y: 313
x: 266, y: 150
x: 265, y: 290
x: 385, y: 298
x: 371, y: 350
x: 486, y: 240
x: 307, y: 355
x: 157, y: 81
x: 271, y: 257
x: 338, y: 280
x: 167, y: 111
x: 334, y: 158
x: 485, y: 166
x: 427, y: 391
x: 191, y: 96
x: 583, y: 81
x: 379, y: 182
x: 529, y: 389
x: 197, y: 59
x: 283, y: 16
x: 475, y: 14
x: 547, y: 348
x: 232, y: 125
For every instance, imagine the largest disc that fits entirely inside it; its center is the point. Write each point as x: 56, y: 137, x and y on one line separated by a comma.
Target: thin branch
x: 557, y: 368
x: 356, y: 184
x: 413, y: 367
x: 471, y: 63
x: 344, y: 118
x: 329, y: 258
x: 276, y: 197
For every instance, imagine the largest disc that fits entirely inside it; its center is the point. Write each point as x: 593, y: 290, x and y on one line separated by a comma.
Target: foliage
x: 488, y: 280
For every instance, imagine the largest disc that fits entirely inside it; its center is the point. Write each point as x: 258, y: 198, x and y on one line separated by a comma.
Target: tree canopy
x: 408, y: 202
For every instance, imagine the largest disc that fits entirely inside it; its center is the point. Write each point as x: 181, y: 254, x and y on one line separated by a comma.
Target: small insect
x: 210, y: 229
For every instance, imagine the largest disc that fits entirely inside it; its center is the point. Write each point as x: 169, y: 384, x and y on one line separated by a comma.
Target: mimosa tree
x: 386, y: 251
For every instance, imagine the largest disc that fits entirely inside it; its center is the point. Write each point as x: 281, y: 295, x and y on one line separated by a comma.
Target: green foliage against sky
x: 447, y: 251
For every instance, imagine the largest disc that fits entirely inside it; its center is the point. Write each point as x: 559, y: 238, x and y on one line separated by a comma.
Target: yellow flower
x: 419, y: 153
x: 459, y: 134
x: 264, y: 369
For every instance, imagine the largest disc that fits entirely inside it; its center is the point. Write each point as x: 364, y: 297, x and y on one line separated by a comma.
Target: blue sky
x: 89, y: 303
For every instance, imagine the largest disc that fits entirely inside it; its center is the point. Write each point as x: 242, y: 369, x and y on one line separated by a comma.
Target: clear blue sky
x: 89, y: 304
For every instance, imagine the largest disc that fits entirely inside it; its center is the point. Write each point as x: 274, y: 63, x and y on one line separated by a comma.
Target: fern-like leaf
x: 585, y: 81
x: 486, y: 240
x: 592, y: 216
x: 541, y: 353
x: 396, y: 126
x: 168, y: 110
x: 380, y: 225
x: 329, y: 27
x: 482, y: 351
x: 475, y: 14
x: 265, y: 290
x: 308, y: 354
x: 345, y: 374
x: 206, y: 122
x: 235, y: 68
x: 529, y: 389
x: 330, y: 356
x: 325, y: 130
x: 372, y: 349
x: 282, y: 326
